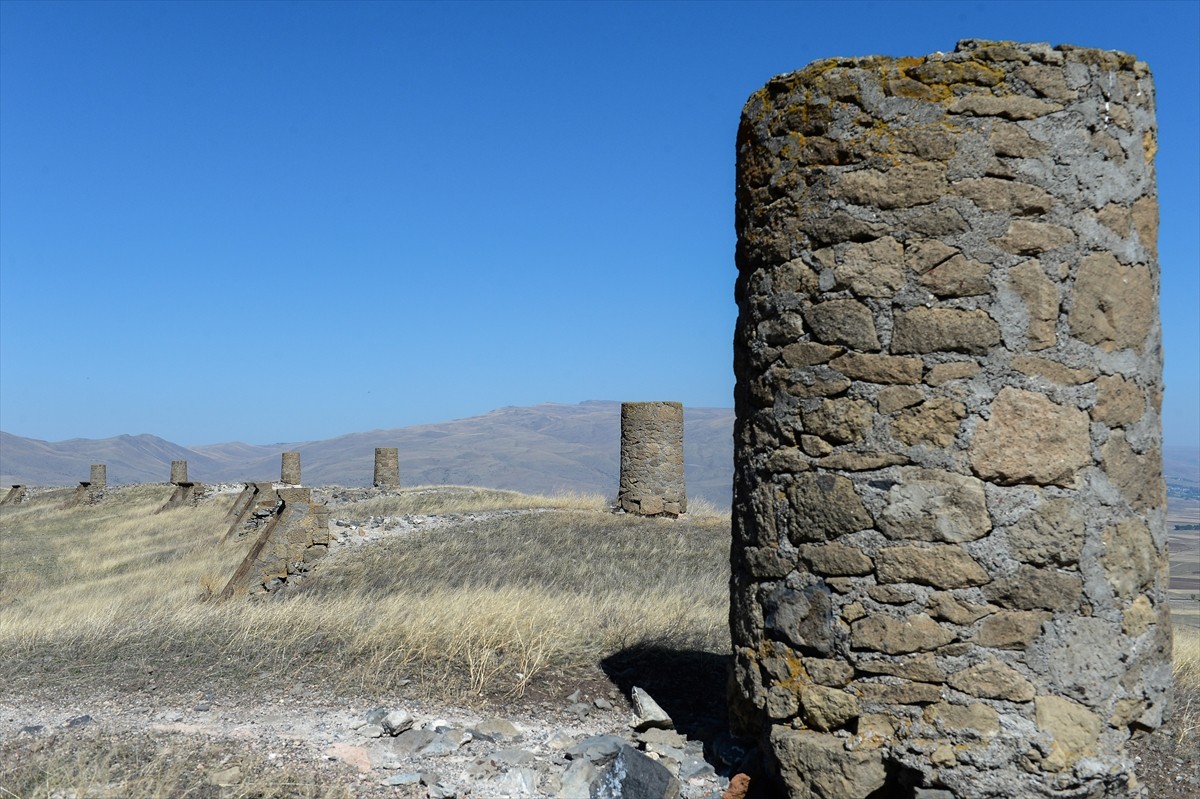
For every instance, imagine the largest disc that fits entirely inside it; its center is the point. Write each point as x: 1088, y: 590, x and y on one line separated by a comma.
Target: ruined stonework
x: 294, y: 535
x: 949, y: 559
x: 15, y: 496
x: 179, y: 472
x: 387, y: 467
x: 652, y: 459
x: 99, y: 477
x: 289, y: 468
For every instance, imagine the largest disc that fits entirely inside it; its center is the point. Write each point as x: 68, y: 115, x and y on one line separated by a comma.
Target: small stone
x: 873, y: 269
x: 649, y: 714
x: 933, y: 505
x: 499, y: 730
x: 1052, y: 371
x: 397, y: 722
x: 829, y: 671
x: 958, y: 277
x: 889, y: 595
x: 1129, y: 560
x: 894, y: 398
x: 1073, y: 729
x: 1010, y: 196
x: 827, y: 709
x: 1114, y: 306
x: 818, y: 765
x: 1138, y: 617
x: 662, y: 737
x: 993, y: 680
x: 944, y: 605
x: 894, y: 636
x: 934, y: 423
x: 1040, y: 295
x: 601, y: 703
x: 897, y: 693
x: 878, y: 368
x: 1012, y: 107
x: 836, y: 560
x: 847, y: 322
x: 921, y: 668
x: 1032, y: 588
x: 940, y: 566
x: 1118, y: 401
x: 595, y: 748
x: 972, y: 721
x: 1051, y: 533
x: 943, y: 373
x: 1032, y: 238
x: 632, y: 775
x: 1012, y: 141
x: 808, y: 353
x: 860, y: 461
x: 1011, y: 629
x: 830, y: 506
x: 841, y: 421
x: 1030, y: 439
x: 901, y: 186
x: 924, y: 330
x: 1138, y: 476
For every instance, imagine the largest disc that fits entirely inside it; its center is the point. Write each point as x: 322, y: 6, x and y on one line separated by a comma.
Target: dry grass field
x: 505, y: 600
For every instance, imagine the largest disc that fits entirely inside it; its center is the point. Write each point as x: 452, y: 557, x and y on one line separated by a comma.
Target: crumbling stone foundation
x: 295, y: 537
x: 387, y: 467
x: 289, y: 468
x: 15, y: 496
x: 652, y: 481
x: 949, y: 558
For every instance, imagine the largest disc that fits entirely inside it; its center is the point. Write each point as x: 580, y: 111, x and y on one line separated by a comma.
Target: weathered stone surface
x: 858, y: 462
x: 993, y: 680
x: 847, y: 322
x: 924, y: 330
x: 1029, y: 439
x: 1074, y: 731
x: 1052, y: 371
x: 873, y: 269
x: 817, y: 766
x: 829, y: 671
x: 815, y: 445
x: 802, y: 617
x: 1129, y: 558
x: 1008, y: 107
x: 932, y: 505
x: 811, y: 384
x: 934, y: 422
x: 1010, y: 629
x: 1118, y: 401
x: 975, y: 721
x: 943, y: 373
x: 894, y: 398
x: 1138, y: 617
x: 1010, y: 196
x: 1112, y: 306
x: 808, y: 353
x: 1138, y: 476
x: 895, y: 636
x: 878, y: 368
x: 905, y: 693
x: 1040, y: 295
x: 921, y: 255
x: 921, y: 668
x: 944, y: 605
x: 1052, y: 533
x: 942, y: 566
x: 958, y: 277
x: 1145, y: 222
x: 1011, y: 140
x: 836, y: 559
x: 901, y: 186
x: 826, y: 708
x: 841, y: 421
x: 825, y: 506
x: 1031, y: 588
x: 1032, y: 238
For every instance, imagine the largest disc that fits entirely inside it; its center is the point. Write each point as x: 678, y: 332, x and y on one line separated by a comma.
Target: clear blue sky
x: 288, y: 221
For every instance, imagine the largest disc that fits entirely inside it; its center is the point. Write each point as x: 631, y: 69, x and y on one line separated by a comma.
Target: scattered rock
x: 649, y: 714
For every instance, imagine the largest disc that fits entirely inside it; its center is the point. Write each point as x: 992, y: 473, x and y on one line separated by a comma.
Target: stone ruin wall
x: 949, y: 559
x: 98, y: 477
x: 387, y: 467
x: 179, y: 473
x: 652, y: 481
x: 294, y: 535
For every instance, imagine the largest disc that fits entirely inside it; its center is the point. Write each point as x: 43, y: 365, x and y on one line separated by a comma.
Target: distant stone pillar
x: 652, y: 459
x: 289, y: 471
x: 179, y: 472
x: 387, y: 467
x: 98, y: 478
x: 949, y: 558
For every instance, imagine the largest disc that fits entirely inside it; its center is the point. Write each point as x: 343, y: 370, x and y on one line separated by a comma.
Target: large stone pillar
x: 949, y: 559
x: 99, y: 476
x: 652, y: 459
x: 179, y: 472
x: 387, y: 467
x: 289, y: 468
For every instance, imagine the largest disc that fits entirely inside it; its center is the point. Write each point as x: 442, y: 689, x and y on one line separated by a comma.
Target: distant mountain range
x: 539, y: 449
x: 543, y: 449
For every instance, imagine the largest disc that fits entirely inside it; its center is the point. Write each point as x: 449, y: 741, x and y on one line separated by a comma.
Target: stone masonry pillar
x: 949, y: 559
x: 387, y: 467
x: 652, y: 459
x: 99, y: 476
x: 289, y: 469
x: 179, y: 472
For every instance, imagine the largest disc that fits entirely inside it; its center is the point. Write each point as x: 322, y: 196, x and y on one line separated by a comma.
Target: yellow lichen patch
x: 1149, y: 146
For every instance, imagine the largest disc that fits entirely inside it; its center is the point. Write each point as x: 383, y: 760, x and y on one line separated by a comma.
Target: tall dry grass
x: 484, y: 607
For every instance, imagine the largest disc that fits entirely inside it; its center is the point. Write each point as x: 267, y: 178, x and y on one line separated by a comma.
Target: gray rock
x: 648, y: 712
x: 411, y: 742
x: 577, y: 779
x: 662, y: 737
x: 580, y: 710
x: 512, y: 758
x: 397, y: 722
x: 407, y: 778
x: 601, y: 703
x: 632, y: 775
x: 518, y: 782
x: 596, y: 747
x: 443, y: 790
x: 371, y: 730
x: 376, y: 714
x: 499, y: 730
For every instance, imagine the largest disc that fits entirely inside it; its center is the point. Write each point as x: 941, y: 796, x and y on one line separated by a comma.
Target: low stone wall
x: 652, y: 481
x: 949, y: 559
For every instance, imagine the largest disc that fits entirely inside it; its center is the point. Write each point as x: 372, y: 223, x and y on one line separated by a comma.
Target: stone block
x: 1030, y: 439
